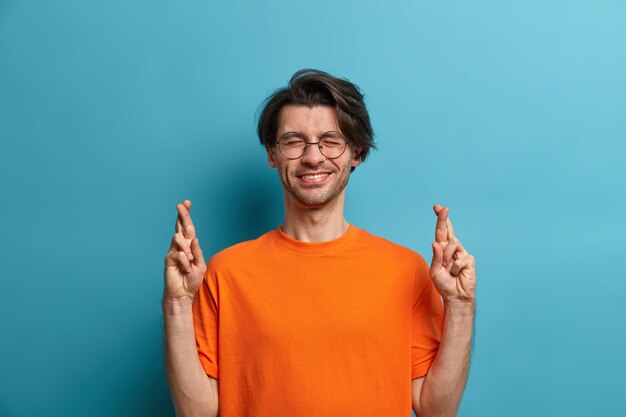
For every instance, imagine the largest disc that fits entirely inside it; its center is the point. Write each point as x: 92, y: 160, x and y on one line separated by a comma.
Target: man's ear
x: 356, y: 158
x: 271, y: 156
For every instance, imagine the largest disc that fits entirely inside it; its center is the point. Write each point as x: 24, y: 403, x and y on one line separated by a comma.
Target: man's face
x: 312, y: 180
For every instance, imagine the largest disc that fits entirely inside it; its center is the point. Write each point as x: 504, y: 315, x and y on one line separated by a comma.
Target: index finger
x: 188, y: 229
x: 450, y: 229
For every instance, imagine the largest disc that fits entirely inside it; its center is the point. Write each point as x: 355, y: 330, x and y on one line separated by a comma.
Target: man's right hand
x: 184, y: 263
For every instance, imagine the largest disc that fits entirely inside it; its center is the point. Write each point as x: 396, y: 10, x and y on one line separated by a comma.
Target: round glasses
x: 331, y: 144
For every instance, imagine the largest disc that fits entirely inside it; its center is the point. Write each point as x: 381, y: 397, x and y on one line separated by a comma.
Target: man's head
x: 309, y: 87
x: 314, y: 107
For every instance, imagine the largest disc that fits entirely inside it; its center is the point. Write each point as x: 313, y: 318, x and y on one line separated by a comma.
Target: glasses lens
x: 292, y: 148
x: 333, y: 147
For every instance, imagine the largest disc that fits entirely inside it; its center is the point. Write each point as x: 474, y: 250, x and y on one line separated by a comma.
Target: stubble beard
x: 319, y: 196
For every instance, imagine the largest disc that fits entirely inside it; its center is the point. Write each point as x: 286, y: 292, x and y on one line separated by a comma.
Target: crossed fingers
x: 444, y: 231
x: 454, y: 254
x: 185, y: 239
x: 184, y: 224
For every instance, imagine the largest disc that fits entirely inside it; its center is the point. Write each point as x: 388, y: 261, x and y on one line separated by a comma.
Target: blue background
x: 510, y: 113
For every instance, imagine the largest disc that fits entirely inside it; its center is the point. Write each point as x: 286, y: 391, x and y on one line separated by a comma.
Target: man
x: 317, y: 317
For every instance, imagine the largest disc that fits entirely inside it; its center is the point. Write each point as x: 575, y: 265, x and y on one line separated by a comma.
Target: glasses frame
x: 318, y: 143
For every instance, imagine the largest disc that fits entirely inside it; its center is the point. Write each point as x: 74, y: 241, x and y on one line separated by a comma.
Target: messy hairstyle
x: 310, y: 87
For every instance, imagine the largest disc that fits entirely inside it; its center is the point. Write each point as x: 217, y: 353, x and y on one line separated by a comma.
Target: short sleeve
x: 205, y: 321
x: 426, y: 321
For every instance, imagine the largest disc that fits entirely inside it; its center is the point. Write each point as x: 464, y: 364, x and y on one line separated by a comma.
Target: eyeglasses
x: 331, y: 144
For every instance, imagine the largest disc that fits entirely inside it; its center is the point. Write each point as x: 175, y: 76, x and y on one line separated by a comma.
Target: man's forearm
x: 193, y: 392
x: 445, y: 382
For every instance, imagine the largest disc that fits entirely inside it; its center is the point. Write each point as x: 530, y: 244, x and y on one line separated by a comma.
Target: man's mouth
x: 314, y: 177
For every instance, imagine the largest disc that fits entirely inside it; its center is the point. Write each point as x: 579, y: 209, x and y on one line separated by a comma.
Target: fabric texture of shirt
x: 337, y: 328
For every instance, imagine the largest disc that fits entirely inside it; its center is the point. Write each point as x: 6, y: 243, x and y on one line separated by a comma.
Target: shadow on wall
x: 240, y: 199
x: 243, y: 200
x: 128, y: 380
x: 150, y: 395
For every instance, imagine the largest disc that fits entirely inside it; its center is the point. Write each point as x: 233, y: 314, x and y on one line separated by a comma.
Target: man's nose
x: 312, y: 154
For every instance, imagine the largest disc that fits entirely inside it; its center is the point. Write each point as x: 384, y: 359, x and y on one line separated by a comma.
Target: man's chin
x: 312, y: 199
x: 312, y: 202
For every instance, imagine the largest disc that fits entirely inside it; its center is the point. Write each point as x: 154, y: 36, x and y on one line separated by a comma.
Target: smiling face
x: 311, y: 180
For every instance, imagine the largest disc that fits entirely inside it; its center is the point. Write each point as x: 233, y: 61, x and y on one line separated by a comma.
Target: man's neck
x: 318, y: 224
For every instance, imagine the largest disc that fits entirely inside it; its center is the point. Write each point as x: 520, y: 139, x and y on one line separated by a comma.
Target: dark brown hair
x: 310, y: 87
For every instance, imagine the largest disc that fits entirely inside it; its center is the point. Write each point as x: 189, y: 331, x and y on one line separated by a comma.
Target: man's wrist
x: 460, y: 307
x: 176, y: 306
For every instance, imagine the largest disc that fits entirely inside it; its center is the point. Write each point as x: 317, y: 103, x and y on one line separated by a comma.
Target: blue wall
x: 510, y: 113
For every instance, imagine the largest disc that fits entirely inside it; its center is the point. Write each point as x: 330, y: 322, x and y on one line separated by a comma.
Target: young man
x: 317, y: 317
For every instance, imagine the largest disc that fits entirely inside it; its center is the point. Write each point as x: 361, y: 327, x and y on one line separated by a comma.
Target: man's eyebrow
x: 293, y: 135
x: 332, y: 134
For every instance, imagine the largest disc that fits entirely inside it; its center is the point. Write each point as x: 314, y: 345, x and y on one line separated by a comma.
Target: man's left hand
x: 453, y: 269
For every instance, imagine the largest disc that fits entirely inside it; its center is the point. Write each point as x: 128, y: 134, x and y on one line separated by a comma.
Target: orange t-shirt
x: 335, y: 328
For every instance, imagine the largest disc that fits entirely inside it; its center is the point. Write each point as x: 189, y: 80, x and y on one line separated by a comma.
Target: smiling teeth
x: 314, y: 176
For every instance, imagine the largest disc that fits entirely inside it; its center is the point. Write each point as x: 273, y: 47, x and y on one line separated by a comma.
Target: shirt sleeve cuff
x: 209, y: 367
x: 421, y: 369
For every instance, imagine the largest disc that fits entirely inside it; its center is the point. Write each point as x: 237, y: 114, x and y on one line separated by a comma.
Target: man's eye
x: 332, y: 143
x: 293, y: 143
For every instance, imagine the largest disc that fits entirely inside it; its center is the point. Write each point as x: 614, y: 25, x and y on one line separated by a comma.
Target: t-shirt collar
x: 315, y: 248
